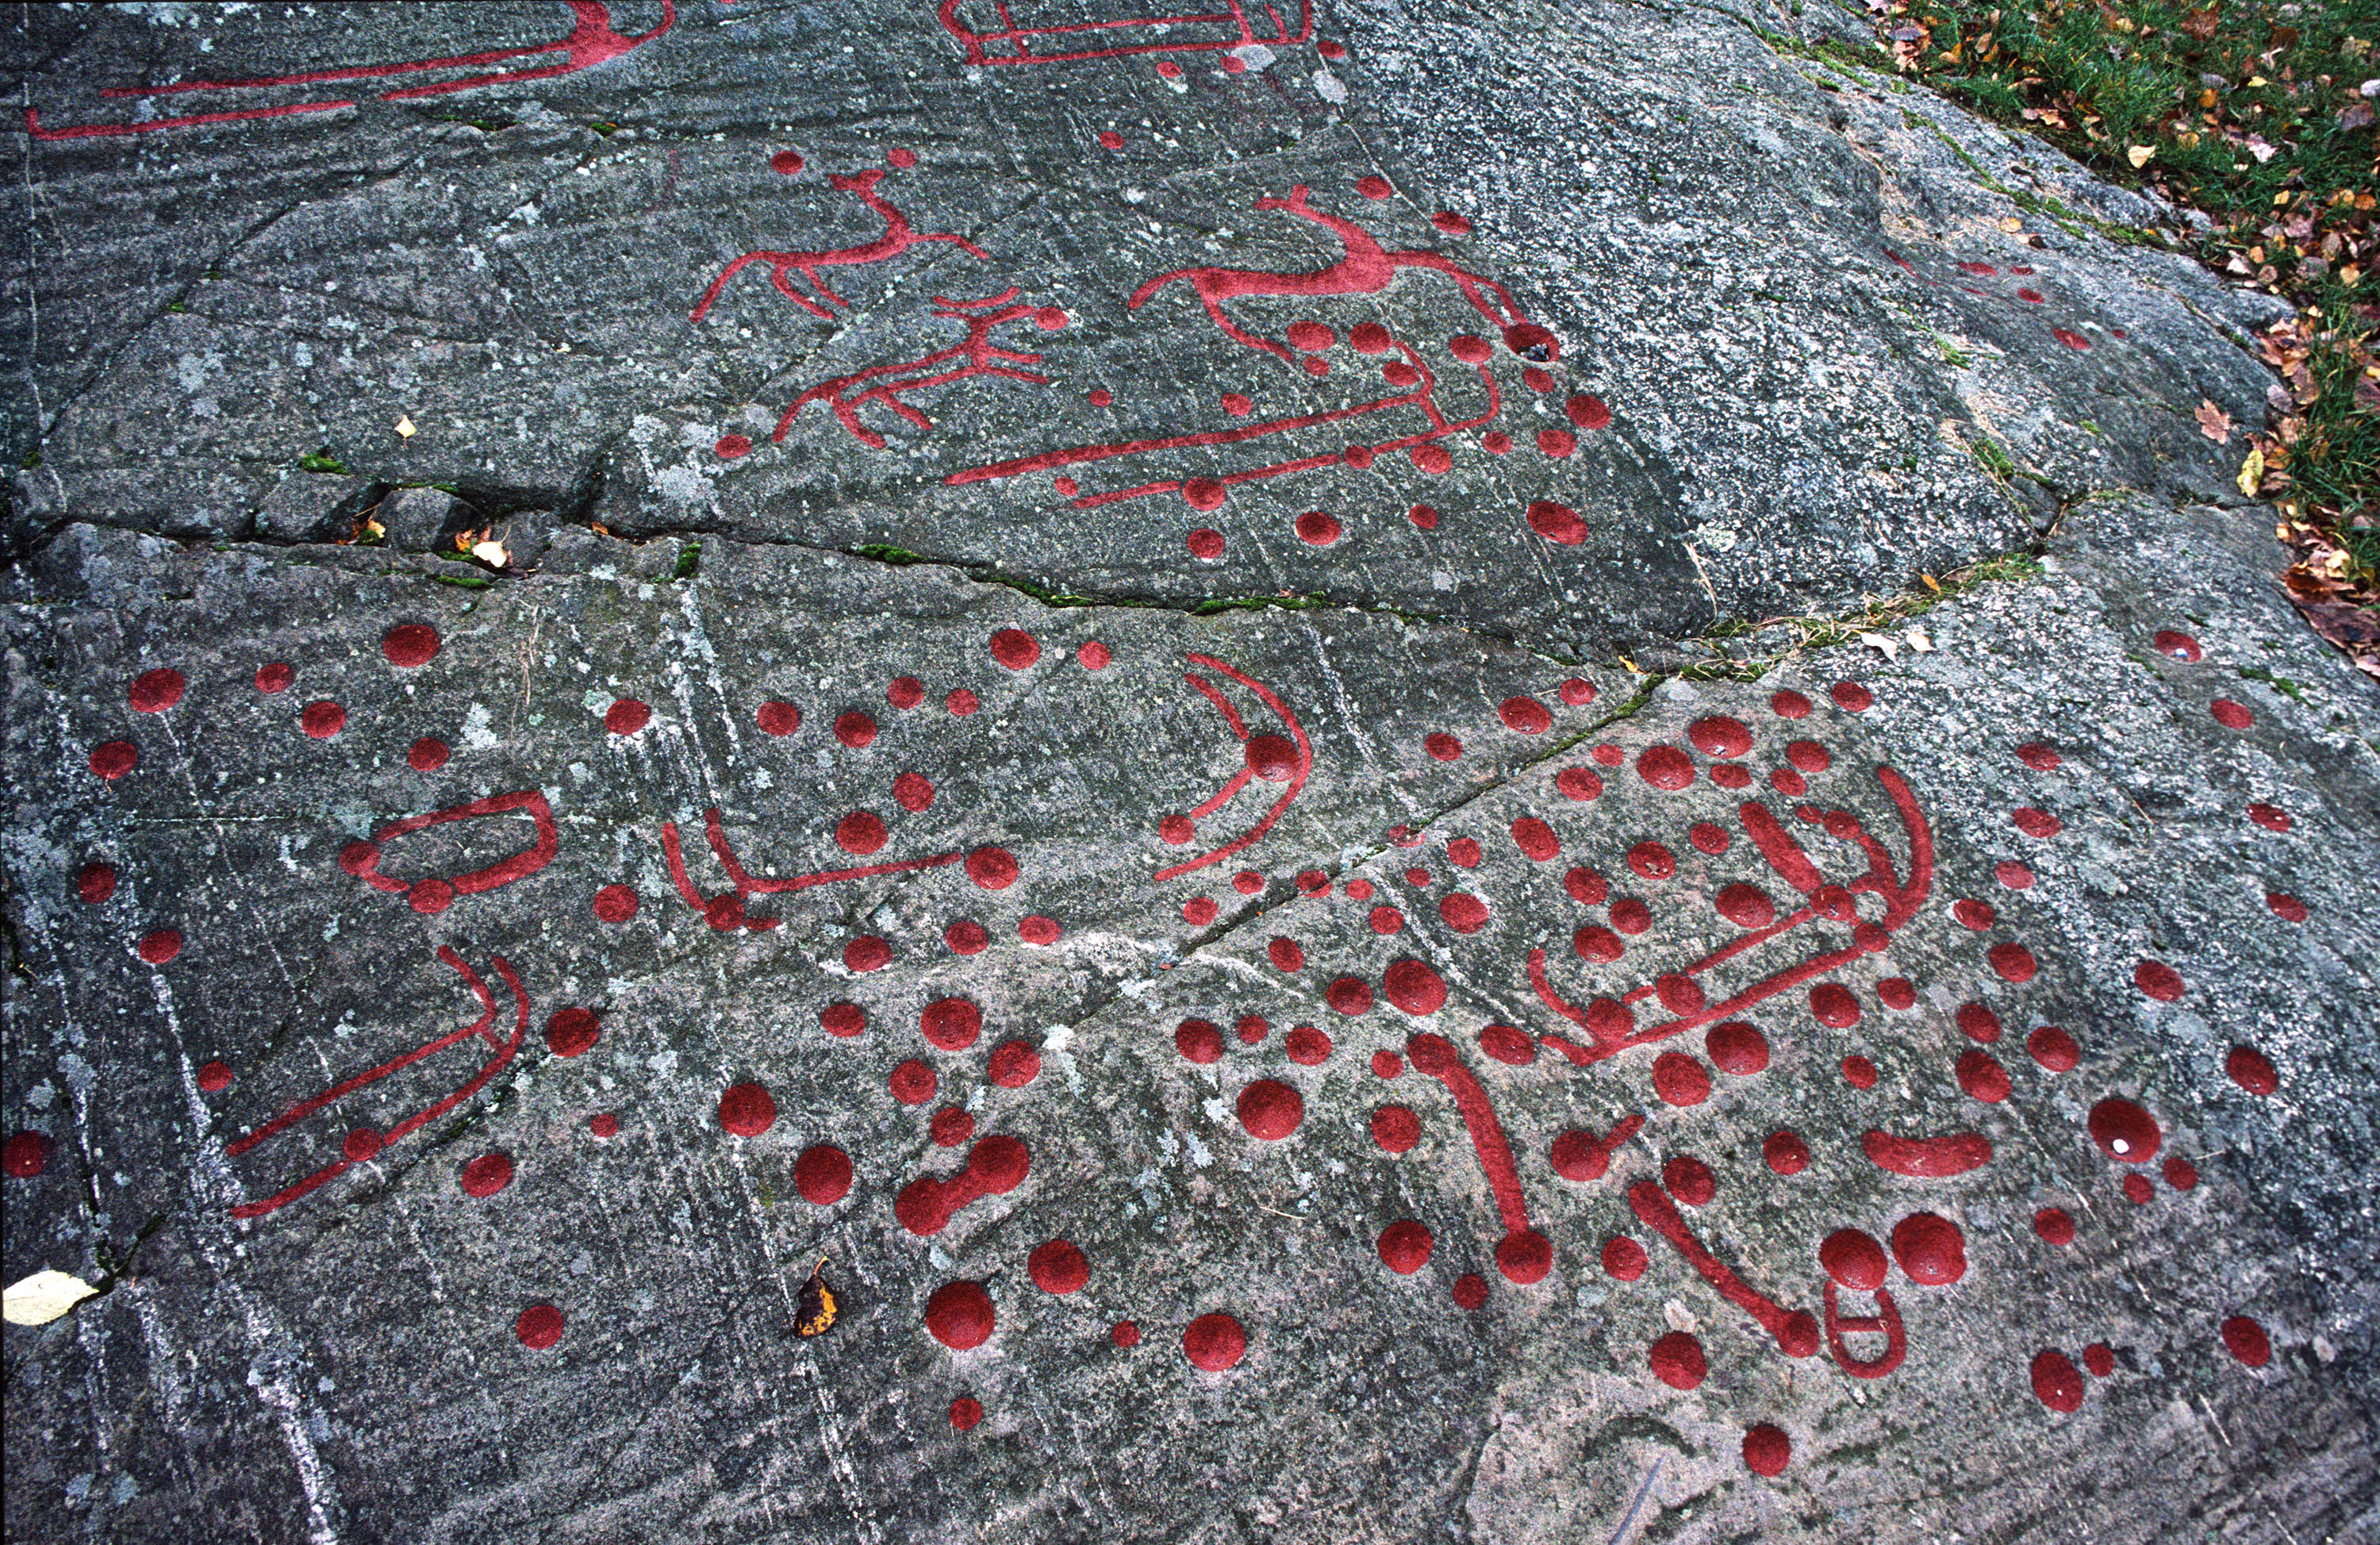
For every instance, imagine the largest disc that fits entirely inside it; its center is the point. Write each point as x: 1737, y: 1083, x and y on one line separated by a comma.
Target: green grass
x: 321, y: 461
x: 2249, y: 112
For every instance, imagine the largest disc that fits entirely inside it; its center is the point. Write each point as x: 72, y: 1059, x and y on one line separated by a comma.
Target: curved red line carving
x: 898, y: 237
x: 502, y: 1053
x: 1016, y: 37
x: 504, y: 872
x: 1656, y: 1211
x: 1297, y: 781
x: 1886, y: 1322
x: 1927, y: 1158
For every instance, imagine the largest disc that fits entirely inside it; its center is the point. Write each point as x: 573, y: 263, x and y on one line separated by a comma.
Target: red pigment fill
x: 1285, y: 953
x: 1766, y: 1450
x: 626, y: 716
x: 1014, y: 1064
x: 94, y: 884
x: 960, y: 1315
x: 860, y: 833
x: 952, y: 1024
x: 995, y: 1165
x: 1666, y: 767
x: 1556, y: 523
x: 2251, y: 1070
x: 411, y: 644
x: 1464, y: 912
x: 1270, y: 1110
x: 159, y: 947
x: 2036, y: 822
x: 1435, y: 1056
x: 1859, y: 1073
x: 1307, y: 1046
x: 487, y: 1175
x: 1796, y: 1331
x: 1404, y: 1247
x: 1385, y: 920
x: 965, y: 1412
x: 966, y: 936
x: 727, y: 447
x: 155, y: 691
x: 2272, y: 818
x: 2158, y: 980
x: 1413, y: 987
x: 1834, y: 1006
x: 1978, y: 1023
x: 2013, y: 962
x: 2178, y: 646
x: 822, y: 1175
x: 1976, y: 914
x: 855, y: 728
x: 1896, y: 993
x: 777, y: 717
x: 1423, y: 517
x: 1015, y: 649
x: 1124, y: 1333
x: 912, y: 1082
x: 1679, y: 1079
x: 1349, y: 995
x: 1851, y: 697
x: 1981, y: 1077
x: 1677, y: 1360
x: 1809, y: 756
x: 2181, y: 1173
x: 1930, y: 1249
x: 1578, y: 783
x: 2056, y: 1382
x: 1652, y: 860
x: 1623, y: 1258
x: 991, y: 869
x: 2231, y: 715
x: 904, y: 692
x: 1711, y: 838
x: 1470, y: 1291
x: 2054, y: 1224
x: 1524, y: 715
x: 1690, y: 1180
x: 2054, y: 1049
x: 538, y: 1327
x: 1198, y: 911
x: 2245, y: 1339
x: 25, y: 1155
x: 2289, y: 909
x: 1746, y: 906
x: 615, y: 904
x: 1507, y: 1045
x: 747, y: 1110
x: 1387, y: 1065
x: 1463, y: 851
x: 1586, y: 886
x: 1251, y: 1029
x: 1927, y: 1158
x: 1395, y: 1129
x: 427, y: 754
x: 1737, y: 1048
x: 2124, y: 1131
x: 1854, y: 1259
x: 1581, y: 1155
x: 1317, y: 529
x: 571, y: 1031
x: 1057, y: 1267
x: 1214, y: 1342
x: 1199, y: 1041
x: 214, y: 1077
x: 1036, y: 930
x: 2100, y: 1358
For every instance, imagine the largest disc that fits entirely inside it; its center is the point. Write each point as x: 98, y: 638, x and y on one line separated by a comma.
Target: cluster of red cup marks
x: 861, y: 834
x: 2122, y: 1129
x: 2026, y: 294
x: 569, y: 1032
x: 407, y: 646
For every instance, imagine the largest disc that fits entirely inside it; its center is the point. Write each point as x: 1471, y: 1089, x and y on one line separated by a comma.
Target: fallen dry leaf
x: 1888, y: 648
x: 2251, y: 472
x: 42, y: 1298
x: 405, y: 430
x: 1919, y: 641
x: 2139, y: 155
x: 2213, y: 422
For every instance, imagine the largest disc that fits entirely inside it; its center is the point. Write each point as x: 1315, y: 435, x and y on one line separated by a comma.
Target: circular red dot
x: 2124, y: 1131
x: 2057, y: 1383
x: 1404, y: 1247
x: 1524, y: 715
x: 1057, y: 1267
x: 913, y: 792
x: 912, y: 1083
x: 1270, y: 1110
x: 487, y: 1175
x: 1737, y: 1048
x: 1349, y: 995
x: 1318, y: 529
x: 842, y: 1020
x: 1851, y: 697
x: 159, y: 947
x: 1110, y: 139
x: 952, y: 1024
x: 786, y: 162
x: 538, y: 1327
x: 2231, y: 715
x: 1981, y: 1077
x: 1766, y: 1450
x: 361, y: 1144
x: 2053, y: 1049
x: 961, y: 702
x: 1677, y: 1360
x: 859, y: 832
x: 1859, y: 1073
x: 1271, y: 757
x: 1286, y: 955
x: 778, y: 717
x: 1214, y: 1342
x: 323, y: 719
x: 965, y: 1412
x: 1623, y: 1258
x: 571, y: 1032
x: 1556, y: 523
x: 2181, y: 1173
x: 951, y: 1126
x: 1198, y: 911
x: 960, y: 1315
x: 2158, y: 980
x: 855, y: 728
x: 1690, y: 1180
x: 2054, y: 1225
x: 2246, y: 1339
x: 627, y: 716
x: 1462, y: 912
x: 2251, y: 1070
x: 214, y: 1077
x: 1014, y: 1064
x: 1200, y: 1040
x: 1666, y: 767
x: 274, y: 677
x: 991, y: 869
x: 1395, y: 1129
x: 615, y: 904
x: 966, y: 936
x: 604, y: 1125
x: 1679, y: 1079
x: 747, y: 1110
x: 25, y: 1155
x: 1930, y: 1249
x: 155, y: 691
x: 1015, y: 649
x: 94, y: 884
x: 1834, y: 1006
x: 1896, y: 993
x: 411, y: 644
x: 1124, y: 1333
x: 1854, y: 1260
x: 1524, y: 1257
x: 1034, y: 928
x: 1050, y: 318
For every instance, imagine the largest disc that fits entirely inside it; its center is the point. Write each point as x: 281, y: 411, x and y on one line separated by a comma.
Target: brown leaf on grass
x: 2213, y: 423
x: 2354, y: 630
x: 2201, y: 24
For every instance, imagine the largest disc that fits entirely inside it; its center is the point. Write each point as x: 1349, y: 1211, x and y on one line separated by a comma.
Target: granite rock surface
x: 1056, y: 770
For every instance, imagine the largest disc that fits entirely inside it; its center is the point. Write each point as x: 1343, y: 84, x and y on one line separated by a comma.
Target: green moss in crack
x: 885, y: 553
x: 2277, y: 682
x: 323, y: 461
x: 689, y: 562
x: 464, y: 582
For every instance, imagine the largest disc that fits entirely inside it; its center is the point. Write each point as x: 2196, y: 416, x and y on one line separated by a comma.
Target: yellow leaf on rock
x: 2251, y: 472
x: 42, y: 1296
x: 405, y: 430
